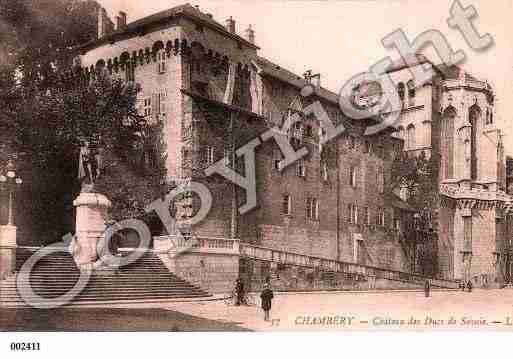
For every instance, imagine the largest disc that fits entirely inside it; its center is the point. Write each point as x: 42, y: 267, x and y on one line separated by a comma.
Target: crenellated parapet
x: 136, y: 56
x: 455, y: 196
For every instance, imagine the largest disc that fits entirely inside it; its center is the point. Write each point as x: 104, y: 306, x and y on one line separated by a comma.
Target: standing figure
x: 469, y: 286
x: 427, y: 288
x: 90, y: 162
x: 84, y: 166
x: 239, y: 292
x: 266, y: 297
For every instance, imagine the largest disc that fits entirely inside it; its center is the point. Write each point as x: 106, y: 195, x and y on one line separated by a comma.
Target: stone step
x: 94, y: 293
x: 113, y: 299
x: 100, y: 286
x: 55, y: 274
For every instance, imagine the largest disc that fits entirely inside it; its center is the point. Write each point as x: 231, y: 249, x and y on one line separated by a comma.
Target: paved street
x: 320, y: 311
x: 370, y: 311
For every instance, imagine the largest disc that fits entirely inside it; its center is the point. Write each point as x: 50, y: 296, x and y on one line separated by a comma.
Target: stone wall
x: 215, y: 273
x: 293, y: 278
x: 203, y: 58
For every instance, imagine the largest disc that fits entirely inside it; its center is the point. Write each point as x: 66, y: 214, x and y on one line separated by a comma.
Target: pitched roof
x: 273, y: 70
x: 186, y: 10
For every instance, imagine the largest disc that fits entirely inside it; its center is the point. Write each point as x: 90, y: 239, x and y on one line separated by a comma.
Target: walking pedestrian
x: 427, y: 288
x: 266, y: 297
x: 239, y: 292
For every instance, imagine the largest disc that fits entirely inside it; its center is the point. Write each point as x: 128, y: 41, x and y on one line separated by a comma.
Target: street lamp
x: 10, y: 180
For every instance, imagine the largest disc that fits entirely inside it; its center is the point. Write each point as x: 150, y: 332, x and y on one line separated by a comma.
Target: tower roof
x: 186, y: 11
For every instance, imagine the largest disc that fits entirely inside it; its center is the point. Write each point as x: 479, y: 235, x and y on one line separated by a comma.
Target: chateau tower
x: 452, y: 119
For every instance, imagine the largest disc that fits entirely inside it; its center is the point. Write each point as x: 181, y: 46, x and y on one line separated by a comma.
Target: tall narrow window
x: 400, y: 91
x: 380, y: 217
x: 352, y: 213
x: 353, y: 176
x: 474, y: 119
x: 286, y: 205
x: 161, y: 62
x: 227, y: 156
x: 410, y: 137
x: 411, y: 93
x: 210, y: 154
x: 380, y: 179
x: 467, y: 233
x: 301, y: 168
x: 147, y: 108
x: 312, y: 208
x: 447, y: 142
x: 324, y: 171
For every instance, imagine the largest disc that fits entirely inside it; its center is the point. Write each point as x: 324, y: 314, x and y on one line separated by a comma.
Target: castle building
x: 215, y: 93
x: 452, y: 118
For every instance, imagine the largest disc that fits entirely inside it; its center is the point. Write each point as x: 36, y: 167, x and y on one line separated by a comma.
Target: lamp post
x: 10, y: 181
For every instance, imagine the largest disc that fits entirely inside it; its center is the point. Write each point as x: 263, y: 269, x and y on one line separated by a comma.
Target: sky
x: 341, y: 38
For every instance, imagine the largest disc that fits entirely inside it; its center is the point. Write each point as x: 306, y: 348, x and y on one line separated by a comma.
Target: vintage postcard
x: 282, y: 166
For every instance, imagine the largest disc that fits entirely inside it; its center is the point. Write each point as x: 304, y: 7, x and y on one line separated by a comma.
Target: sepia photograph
x: 236, y: 166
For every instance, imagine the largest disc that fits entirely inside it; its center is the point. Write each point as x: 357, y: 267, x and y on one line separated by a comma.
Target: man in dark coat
x: 239, y: 291
x: 267, y: 297
x: 469, y: 286
x: 427, y: 288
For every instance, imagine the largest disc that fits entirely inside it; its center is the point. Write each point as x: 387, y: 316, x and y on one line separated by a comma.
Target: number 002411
x: 25, y: 346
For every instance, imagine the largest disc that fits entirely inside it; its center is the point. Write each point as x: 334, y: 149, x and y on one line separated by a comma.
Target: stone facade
x: 452, y: 117
x: 215, y: 93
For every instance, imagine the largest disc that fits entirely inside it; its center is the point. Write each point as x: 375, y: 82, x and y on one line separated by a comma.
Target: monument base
x: 7, y: 251
x: 91, y: 222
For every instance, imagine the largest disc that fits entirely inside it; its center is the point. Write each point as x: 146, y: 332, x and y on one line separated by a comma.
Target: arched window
x: 410, y: 137
x: 400, y: 90
x: 447, y: 142
x: 411, y: 93
x: 475, y: 121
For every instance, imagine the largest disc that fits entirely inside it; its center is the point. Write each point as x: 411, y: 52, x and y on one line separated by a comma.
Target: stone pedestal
x: 7, y: 251
x: 92, y: 215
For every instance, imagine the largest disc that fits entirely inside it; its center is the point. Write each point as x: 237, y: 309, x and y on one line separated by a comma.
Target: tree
x: 419, y: 176
x: 47, y: 116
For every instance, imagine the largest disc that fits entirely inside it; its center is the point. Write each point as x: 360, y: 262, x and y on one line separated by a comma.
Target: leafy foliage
x: 419, y: 176
x: 47, y: 116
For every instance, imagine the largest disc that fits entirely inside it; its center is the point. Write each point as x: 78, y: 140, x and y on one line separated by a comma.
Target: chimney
x: 250, y: 34
x: 230, y: 25
x: 121, y: 20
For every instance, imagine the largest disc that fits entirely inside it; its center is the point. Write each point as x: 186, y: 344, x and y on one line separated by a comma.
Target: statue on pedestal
x: 89, y: 164
x: 91, y: 208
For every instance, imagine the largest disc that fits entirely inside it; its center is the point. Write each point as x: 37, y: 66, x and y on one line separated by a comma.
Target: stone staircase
x: 55, y: 274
